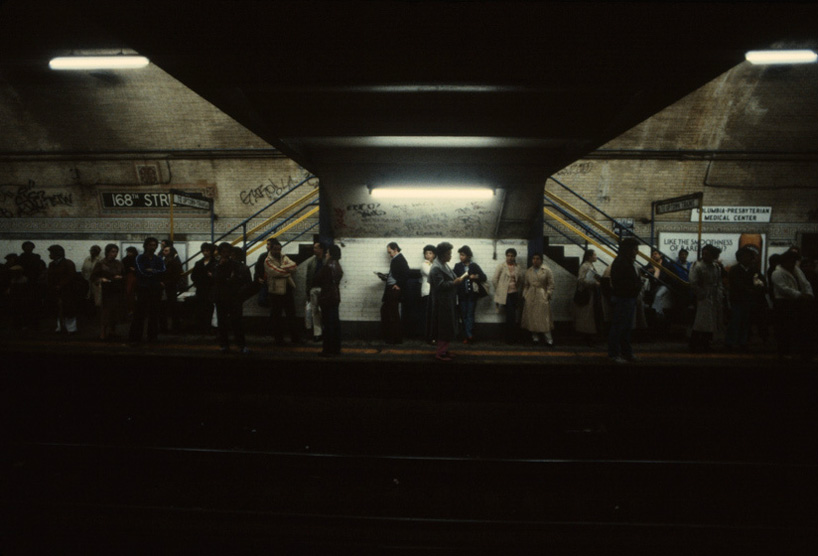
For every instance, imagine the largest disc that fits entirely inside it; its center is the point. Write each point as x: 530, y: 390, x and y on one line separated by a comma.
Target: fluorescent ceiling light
x: 432, y: 193
x: 762, y: 57
x: 118, y: 61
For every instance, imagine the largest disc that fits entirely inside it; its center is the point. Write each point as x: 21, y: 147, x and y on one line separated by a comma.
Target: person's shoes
x: 246, y: 351
x: 631, y: 359
x: 444, y: 357
x: 316, y: 338
x: 618, y: 360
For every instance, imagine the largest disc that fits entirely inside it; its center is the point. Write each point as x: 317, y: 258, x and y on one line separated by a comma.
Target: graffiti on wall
x: 266, y: 192
x: 27, y: 200
x: 417, y: 219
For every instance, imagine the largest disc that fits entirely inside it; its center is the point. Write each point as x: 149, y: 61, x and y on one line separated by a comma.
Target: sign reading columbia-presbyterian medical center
x: 732, y: 214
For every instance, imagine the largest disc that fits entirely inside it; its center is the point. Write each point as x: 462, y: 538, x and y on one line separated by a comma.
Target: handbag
x: 582, y: 296
x: 479, y: 289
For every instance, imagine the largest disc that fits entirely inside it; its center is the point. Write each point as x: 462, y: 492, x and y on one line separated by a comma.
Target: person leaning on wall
x: 507, y: 281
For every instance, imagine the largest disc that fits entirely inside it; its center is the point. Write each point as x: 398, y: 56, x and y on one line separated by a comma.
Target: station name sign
x: 733, y: 214
x: 128, y: 200
x: 677, y: 204
x: 154, y: 200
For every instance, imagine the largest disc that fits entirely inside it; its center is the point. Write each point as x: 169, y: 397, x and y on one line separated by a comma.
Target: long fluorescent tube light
x: 766, y: 57
x: 432, y: 193
x: 98, y: 62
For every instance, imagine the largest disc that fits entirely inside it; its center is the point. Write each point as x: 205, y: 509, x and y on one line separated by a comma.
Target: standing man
x: 34, y: 271
x: 149, y: 270
x: 62, y: 287
x: 393, y: 294
x: 625, y: 287
x: 278, y: 276
x: 312, y: 312
x: 744, y: 285
x: 230, y: 280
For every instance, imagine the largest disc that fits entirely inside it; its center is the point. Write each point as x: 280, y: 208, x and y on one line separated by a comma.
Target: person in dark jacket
x: 744, y: 285
x: 149, y: 270
x: 328, y: 280
x: 62, y: 289
x: 170, y: 283
x: 467, y: 293
x: 393, y: 294
x: 443, y: 295
x: 202, y: 277
x: 625, y: 287
x: 230, y: 280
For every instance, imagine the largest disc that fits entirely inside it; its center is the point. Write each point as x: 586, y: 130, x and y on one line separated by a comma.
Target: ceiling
x: 501, y: 93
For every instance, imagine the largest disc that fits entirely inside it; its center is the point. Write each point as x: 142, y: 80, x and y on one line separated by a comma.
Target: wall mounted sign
x: 676, y: 204
x: 671, y: 242
x: 733, y: 214
x: 120, y: 200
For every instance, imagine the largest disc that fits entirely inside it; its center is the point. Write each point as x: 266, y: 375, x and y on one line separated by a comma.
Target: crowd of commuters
x: 705, y: 297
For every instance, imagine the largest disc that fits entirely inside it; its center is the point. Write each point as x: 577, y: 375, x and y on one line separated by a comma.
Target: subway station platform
x: 175, y: 447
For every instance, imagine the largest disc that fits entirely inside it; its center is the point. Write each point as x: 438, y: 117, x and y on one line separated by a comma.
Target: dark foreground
x: 176, y: 448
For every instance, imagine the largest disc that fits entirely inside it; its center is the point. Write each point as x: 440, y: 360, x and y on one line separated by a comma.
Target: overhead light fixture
x: 768, y: 57
x: 118, y: 61
x: 432, y: 193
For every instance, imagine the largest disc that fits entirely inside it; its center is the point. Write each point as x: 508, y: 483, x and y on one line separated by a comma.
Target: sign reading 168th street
x: 127, y: 200
x: 153, y: 200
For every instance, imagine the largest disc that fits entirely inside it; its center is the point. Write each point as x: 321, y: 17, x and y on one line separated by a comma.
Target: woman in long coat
x: 443, y: 301
x: 706, y: 282
x: 538, y: 287
x: 585, y: 316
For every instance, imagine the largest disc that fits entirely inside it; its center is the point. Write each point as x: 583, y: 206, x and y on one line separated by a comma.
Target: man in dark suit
x: 393, y: 294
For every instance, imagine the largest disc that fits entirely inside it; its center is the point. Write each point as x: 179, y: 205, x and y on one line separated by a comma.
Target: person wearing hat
x: 706, y: 282
x: 62, y: 289
x: 744, y: 284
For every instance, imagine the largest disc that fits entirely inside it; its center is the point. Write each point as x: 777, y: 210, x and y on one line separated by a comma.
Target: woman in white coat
x: 706, y: 282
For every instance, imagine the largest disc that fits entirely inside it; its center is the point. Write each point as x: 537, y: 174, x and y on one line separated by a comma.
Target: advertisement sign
x: 671, y: 242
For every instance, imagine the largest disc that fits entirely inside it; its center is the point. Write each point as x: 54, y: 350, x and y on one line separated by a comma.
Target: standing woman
x: 329, y: 279
x: 538, y: 287
x: 586, y: 316
x: 108, y: 276
x: 444, y: 291
x: 426, y: 288
x: 507, y: 280
x: 467, y: 291
x: 706, y: 282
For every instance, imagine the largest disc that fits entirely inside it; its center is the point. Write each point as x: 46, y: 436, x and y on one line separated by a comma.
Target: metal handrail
x: 609, y: 233
x: 254, y: 215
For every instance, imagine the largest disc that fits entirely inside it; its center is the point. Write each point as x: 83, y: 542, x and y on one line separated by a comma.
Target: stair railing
x: 582, y: 215
x: 243, y: 224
